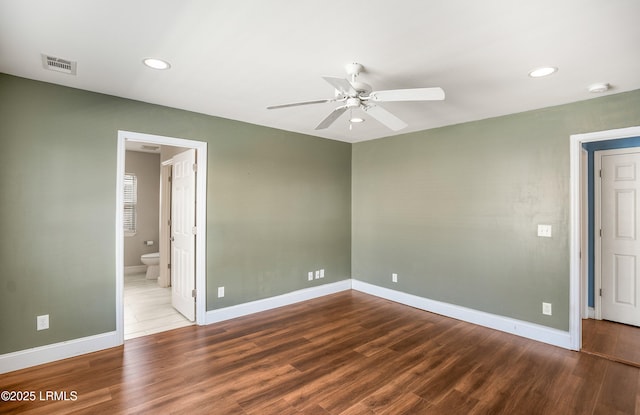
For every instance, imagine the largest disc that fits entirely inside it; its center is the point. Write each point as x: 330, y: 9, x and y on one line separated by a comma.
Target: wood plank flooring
x: 347, y: 353
x: 615, y: 341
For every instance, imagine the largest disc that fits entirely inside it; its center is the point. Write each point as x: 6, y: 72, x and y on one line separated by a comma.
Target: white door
x: 619, y: 243
x: 183, y: 206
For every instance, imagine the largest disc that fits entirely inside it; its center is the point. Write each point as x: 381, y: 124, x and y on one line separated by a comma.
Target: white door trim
x: 165, y: 215
x: 576, y: 233
x: 597, y: 240
x: 201, y: 220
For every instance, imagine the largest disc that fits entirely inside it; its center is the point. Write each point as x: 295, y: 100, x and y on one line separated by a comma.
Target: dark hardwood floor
x: 615, y: 341
x: 348, y: 353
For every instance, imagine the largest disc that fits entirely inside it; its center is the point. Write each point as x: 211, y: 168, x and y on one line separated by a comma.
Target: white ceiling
x: 233, y: 58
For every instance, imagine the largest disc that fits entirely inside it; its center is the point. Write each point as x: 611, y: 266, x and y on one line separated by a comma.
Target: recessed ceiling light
x: 156, y: 63
x: 356, y: 119
x: 545, y: 71
x: 597, y: 88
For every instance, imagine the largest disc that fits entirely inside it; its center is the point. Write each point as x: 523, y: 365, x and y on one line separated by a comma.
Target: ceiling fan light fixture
x: 544, y: 71
x: 155, y: 63
x: 354, y: 94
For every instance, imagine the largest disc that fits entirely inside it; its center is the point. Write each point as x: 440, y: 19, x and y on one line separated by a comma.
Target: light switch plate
x: 42, y: 322
x: 544, y: 231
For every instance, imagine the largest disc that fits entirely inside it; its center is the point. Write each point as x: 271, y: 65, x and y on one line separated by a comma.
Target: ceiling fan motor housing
x: 353, y: 102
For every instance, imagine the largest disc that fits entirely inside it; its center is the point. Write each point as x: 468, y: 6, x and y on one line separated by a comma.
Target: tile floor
x: 147, y: 308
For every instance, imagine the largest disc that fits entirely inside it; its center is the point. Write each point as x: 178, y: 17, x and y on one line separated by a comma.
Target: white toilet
x: 152, y: 261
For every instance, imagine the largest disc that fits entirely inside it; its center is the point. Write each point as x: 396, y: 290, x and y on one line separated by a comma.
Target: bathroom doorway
x: 147, y: 295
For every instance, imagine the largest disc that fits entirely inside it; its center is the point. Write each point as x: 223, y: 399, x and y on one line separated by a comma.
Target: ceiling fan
x: 355, y: 94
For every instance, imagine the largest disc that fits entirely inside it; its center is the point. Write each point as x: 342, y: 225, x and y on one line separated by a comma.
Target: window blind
x: 130, y: 201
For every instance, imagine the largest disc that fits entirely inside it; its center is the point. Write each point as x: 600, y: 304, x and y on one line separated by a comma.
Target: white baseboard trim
x: 591, y: 313
x: 227, y: 313
x: 521, y: 328
x: 49, y: 353
x: 135, y: 269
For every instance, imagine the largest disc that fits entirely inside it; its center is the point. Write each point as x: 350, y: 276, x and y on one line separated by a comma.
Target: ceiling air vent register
x: 53, y: 63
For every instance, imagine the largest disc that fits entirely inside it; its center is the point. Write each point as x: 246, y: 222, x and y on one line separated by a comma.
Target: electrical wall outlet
x: 317, y: 274
x: 394, y: 277
x: 220, y: 292
x: 322, y: 273
x: 546, y: 309
x: 310, y: 276
x: 42, y: 322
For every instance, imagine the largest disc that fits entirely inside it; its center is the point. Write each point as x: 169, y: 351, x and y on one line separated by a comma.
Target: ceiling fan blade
x: 297, y: 104
x: 415, y: 94
x: 385, y: 117
x: 335, y: 114
x: 341, y: 85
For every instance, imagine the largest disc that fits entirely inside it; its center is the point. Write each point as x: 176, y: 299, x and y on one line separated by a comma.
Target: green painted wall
x: 454, y: 211
x: 279, y: 205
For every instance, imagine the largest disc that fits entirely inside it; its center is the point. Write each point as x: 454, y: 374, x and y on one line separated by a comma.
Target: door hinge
x: 169, y: 266
x: 600, y: 232
x: 600, y: 292
x: 193, y: 293
x: 600, y: 173
x: 170, y: 179
x: 194, y: 230
x: 195, y: 167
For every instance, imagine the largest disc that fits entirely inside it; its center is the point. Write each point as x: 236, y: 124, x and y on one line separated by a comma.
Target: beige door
x: 619, y: 242
x: 183, y: 205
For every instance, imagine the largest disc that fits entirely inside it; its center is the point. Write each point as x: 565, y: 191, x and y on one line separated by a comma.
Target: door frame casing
x: 164, y: 279
x: 578, y: 273
x: 597, y: 240
x: 201, y: 220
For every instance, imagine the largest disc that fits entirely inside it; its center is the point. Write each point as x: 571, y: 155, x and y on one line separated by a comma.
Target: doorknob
x: 173, y: 239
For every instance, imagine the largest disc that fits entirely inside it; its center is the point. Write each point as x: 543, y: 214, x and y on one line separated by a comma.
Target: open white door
x: 183, y: 230
x: 620, y: 239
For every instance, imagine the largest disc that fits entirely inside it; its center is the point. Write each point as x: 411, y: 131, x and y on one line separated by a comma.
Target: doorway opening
x: 617, y: 245
x: 582, y: 286
x: 185, y: 231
